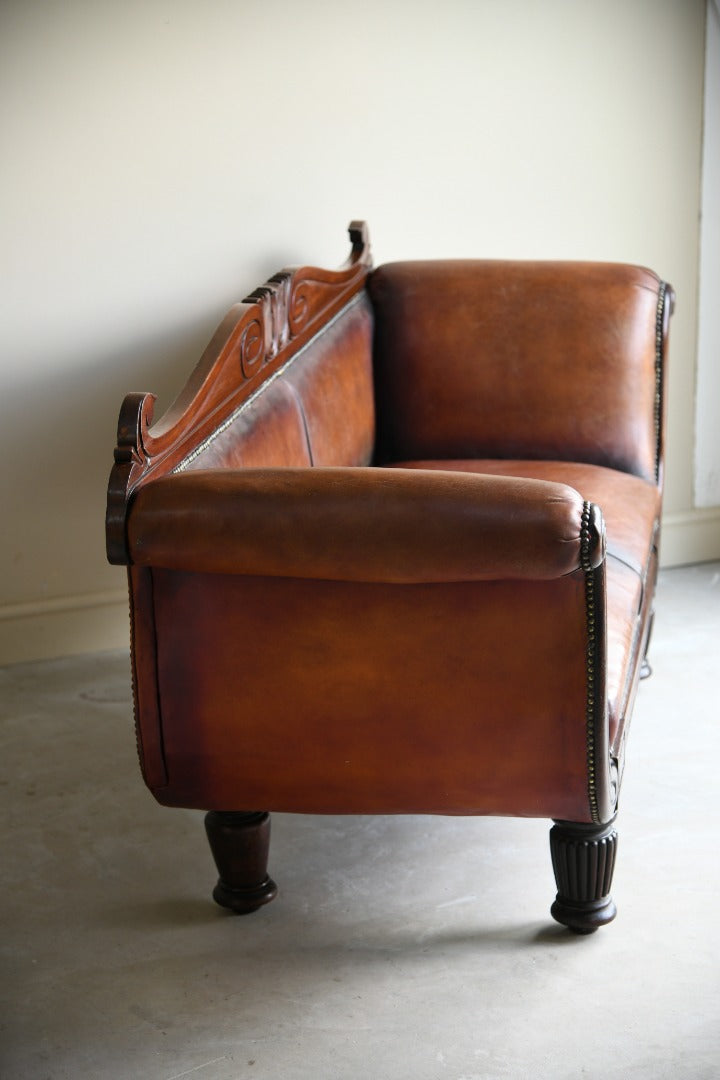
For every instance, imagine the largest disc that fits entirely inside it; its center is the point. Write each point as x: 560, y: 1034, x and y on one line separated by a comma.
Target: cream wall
x: 707, y: 407
x: 162, y: 158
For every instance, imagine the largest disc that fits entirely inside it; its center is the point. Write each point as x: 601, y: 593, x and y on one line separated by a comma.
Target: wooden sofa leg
x: 240, y: 843
x: 583, y: 858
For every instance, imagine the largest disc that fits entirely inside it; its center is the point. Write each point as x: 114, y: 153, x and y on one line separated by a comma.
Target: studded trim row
x: 590, y: 656
x: 659, y: 328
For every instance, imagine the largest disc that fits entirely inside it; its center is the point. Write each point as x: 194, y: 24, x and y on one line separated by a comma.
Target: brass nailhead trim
x: 586, y: 565
x: 659, y: 324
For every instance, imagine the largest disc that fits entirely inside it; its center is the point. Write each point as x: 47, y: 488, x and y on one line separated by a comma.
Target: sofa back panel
x: 318, y: 410
x: 333, y: 380
x: 269, y: 431
x: 546, y: 358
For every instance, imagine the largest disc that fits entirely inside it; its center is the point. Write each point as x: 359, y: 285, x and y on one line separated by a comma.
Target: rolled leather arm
x: 362, y: 524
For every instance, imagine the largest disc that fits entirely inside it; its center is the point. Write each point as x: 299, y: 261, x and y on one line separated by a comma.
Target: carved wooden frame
x: 256, y: 338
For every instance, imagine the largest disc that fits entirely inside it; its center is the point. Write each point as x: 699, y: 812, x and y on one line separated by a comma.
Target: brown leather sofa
x: 393, y: 550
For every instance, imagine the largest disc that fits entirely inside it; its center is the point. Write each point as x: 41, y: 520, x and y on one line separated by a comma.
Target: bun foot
x: 584, y: 917
x: 240, y: 843
x: 243, y: 901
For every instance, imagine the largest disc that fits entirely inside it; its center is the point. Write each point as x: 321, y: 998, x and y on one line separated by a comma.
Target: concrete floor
x: 398, y: 949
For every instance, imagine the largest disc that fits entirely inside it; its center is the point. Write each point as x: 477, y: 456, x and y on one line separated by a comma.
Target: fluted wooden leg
x: 240, y: 843
x: 583, y: 858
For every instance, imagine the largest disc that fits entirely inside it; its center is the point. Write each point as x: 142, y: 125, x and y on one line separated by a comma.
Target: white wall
x: 162, y: 158
x: 707, y: 440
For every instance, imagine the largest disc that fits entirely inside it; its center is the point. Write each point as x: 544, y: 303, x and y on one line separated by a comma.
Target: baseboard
x: 64, y: 626
x: 691, y: 536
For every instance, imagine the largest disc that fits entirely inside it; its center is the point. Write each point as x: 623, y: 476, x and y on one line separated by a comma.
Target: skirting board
x: 691, y: 536
x: 65, y: 626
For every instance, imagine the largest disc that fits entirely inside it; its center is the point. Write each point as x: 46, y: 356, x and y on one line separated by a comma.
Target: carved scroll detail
x: 131, y: 458
x: 255, y: 338
x: 134, y: 421
x: 252, y: 348
x: 299, y: 308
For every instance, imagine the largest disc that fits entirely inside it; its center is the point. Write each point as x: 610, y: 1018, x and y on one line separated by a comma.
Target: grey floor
x: 405, y: 948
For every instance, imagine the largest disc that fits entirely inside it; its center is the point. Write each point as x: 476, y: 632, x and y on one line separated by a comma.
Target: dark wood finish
x: 583, y: 858
x: 253, y: 341
x: 240, y: 843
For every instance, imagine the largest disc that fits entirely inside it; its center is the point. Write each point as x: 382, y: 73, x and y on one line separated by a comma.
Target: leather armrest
x: 361, y: 524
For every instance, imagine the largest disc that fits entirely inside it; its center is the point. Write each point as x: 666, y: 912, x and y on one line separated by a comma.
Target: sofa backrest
x: 545, y: 359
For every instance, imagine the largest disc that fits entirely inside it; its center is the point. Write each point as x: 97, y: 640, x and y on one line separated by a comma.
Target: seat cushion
x: 631, y: 509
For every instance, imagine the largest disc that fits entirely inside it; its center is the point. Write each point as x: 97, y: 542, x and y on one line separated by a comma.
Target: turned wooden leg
x: 583, y: 858
x: 239, y: 843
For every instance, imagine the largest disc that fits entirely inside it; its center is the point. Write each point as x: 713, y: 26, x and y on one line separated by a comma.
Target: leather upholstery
x: 554, y: 361
x: 383, y: 525
x: 320, y: 411
x: 380, y: 584
x: 270, y: 431
x: 334, y: 383
x: 325, y: 696
x: 632, y: 517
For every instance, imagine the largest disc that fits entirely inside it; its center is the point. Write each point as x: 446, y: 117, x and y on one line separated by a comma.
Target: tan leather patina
x: 394, y: 547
